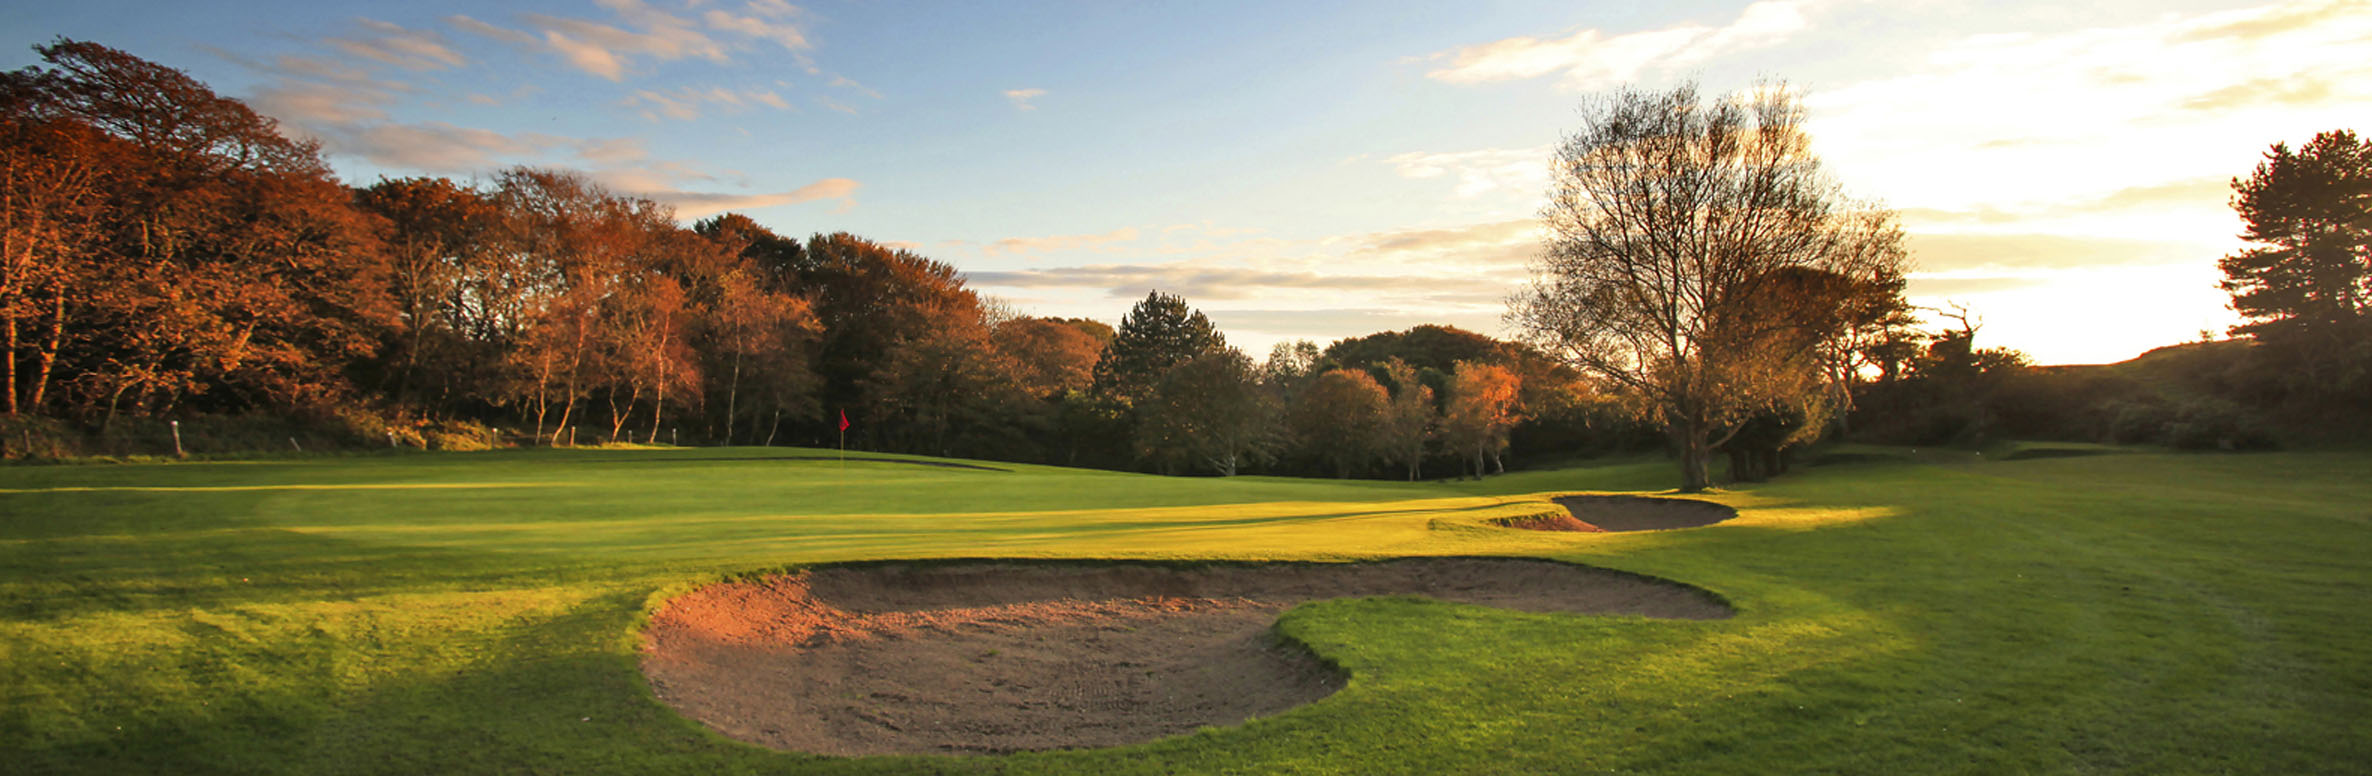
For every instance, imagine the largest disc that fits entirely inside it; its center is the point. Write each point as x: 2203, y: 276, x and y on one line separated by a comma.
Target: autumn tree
x: 587, y: 247
x: 2306, y: 288
x: 53, y: 175
x: 1209, y: 410
x: 947, y: 392
x: 772, y: 258
x: 1426, y: 346
x: 1480, y: 412
x: 1340, y: 420
x: 869, y: 299
x: 226, y: 265
x: 1409, y: 419
x: 441, y: 236
x: 1668, y: 216
x: 1050, y: 356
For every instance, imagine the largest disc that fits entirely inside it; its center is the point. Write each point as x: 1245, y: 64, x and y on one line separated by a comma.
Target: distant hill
x: 2196, y: 394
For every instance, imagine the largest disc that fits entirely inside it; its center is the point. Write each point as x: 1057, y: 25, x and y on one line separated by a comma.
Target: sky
x: 1316, y: 170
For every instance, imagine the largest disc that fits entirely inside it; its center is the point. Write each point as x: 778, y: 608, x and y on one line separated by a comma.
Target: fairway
x: 1905, y: 612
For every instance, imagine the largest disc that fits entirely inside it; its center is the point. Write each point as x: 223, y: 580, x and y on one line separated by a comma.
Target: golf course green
x: 1896, y: 611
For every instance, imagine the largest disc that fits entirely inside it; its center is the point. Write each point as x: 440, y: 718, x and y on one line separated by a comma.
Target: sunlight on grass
x: 246, y: 488
x: 475, y: 612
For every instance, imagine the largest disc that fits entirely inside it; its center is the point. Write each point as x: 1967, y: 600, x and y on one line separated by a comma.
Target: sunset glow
x: 1321, y: 170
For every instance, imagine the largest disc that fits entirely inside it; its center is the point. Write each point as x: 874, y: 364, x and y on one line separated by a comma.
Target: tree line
x: 168, y: 252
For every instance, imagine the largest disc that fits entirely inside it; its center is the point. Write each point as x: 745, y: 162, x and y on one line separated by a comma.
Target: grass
x: 1922, y: 612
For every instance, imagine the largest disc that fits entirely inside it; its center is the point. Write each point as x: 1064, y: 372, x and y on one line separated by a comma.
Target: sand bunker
x: 1628, y: 513
x: 983, y: 657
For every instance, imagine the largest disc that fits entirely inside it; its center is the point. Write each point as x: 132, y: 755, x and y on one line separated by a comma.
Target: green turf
x: 1909, y: 612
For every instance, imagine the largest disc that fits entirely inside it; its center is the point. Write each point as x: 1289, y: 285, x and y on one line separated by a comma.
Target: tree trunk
x: 658, y: 408
x: 566, y: 410
x: 1696, y: 457
x: 732, y: 398
x: 49, y: 352
x: 617, y: 417
x: 659, y: 400
x: 10, y: 377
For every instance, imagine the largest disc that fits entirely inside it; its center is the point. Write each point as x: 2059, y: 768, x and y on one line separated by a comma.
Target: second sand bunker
x: 986, y: 657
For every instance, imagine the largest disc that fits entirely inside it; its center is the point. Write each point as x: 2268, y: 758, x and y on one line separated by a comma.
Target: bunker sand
x: 991, y: 656
x: 1632, y: 513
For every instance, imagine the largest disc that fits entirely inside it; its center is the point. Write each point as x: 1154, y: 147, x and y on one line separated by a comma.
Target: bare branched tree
x: 1675, y: 226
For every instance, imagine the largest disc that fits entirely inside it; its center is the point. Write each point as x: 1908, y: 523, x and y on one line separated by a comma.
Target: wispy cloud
x: 2190, y: 195
x: 313, y: 103
x: 2269, y: 21
x: 694, y: 204
x: 684, y: 103
x: 1948, y: 252
x: 1480, y: 172
x: 1226, y: 283
x: 1065, y: 242
x: 640, y: 31
x: 1594, y: 59
x: 437, y: 146
x: 844, y: 82
x: 613, y: 151
x: 1021, y: 97
x: 2067, y: 114
x: 763, y: 21
x: 393, y: 44
x: 2302, y: 89
x: 1502, y: 244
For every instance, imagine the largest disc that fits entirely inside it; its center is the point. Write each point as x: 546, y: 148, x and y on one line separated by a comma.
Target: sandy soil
x: 981, y: 657
x: 1638, y: 513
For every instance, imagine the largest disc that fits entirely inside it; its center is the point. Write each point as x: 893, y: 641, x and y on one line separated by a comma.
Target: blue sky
x: 1315, y: 170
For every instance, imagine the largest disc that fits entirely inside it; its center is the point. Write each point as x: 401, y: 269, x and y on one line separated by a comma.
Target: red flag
x: 844, y: 420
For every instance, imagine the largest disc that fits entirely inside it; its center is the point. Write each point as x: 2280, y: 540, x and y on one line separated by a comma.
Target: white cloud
x: 1523, y: 171
x: 1593, y: 59
x: 1021, y: 97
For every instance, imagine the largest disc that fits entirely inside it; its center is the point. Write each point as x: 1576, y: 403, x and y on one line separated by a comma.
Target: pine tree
x: 1161, y: 332
x: 2308, y: 291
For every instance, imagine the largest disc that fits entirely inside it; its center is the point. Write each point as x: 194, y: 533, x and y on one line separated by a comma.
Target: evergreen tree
x: 2308, y: 291
x: 1159, y: 333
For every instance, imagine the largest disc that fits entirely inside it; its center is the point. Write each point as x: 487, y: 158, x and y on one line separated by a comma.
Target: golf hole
x: 979, y: 657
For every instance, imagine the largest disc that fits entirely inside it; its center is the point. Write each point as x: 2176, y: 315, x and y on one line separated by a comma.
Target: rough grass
x: 472, y: 612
